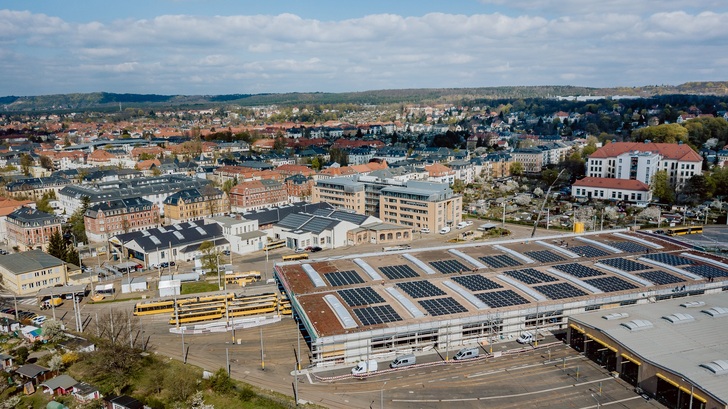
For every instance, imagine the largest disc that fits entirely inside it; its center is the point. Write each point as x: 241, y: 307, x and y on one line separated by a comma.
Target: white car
x: 39, y: 320
x: 425, y: 230
x: 445, y: 230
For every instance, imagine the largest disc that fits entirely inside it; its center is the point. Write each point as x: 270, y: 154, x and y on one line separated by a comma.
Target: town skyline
x: 196, y: 48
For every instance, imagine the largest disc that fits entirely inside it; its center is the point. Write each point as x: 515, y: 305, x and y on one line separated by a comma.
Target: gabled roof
x: 176, y: 235
x: 671, y: 151
x: 33, y: 217
x: 61, y: 381
x: 31, y: 370
x: 609, y: 183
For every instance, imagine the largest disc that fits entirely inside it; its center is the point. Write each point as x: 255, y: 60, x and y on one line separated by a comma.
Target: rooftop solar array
x: 669, y: 259
x: 628, y: 246
x: 398, y: 272
x: 660, y: 277
x: 624, y: 264
x: 707, y: 271
x: 578, y: 270
x: 530, y: 276
x: 545, y: 256
x: 505, y: 298
x: 610, y: 284
x: 378, y: 314
x: 500, y: 261
x: 356, y: 297
x: 442, y: 306
x: 420, y: 289
x: 342, y: 278
x: 588, y: 251
x: 476, y: 282
x: 559, y: 291
x: 449, y: 266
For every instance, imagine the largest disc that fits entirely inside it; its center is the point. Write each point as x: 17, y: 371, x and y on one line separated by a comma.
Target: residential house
x: 33, y: 373
x: 257, y: 194
x: 61, y: 385
x: 35, y: 188
x: 195, y: 204
x: 464, y: 170
x: 440, y: 173
x: 100, y: 157
x: 27, y: 272
x: 84, y: 392
x: 30, y: 228
x: 107, y: 219
x: 532, y: 159
x: 628, y: 190
x: 298, y: 187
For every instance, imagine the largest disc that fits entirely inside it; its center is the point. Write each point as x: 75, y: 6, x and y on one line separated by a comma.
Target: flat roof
x: 695, y: 337
x: 484, y: 278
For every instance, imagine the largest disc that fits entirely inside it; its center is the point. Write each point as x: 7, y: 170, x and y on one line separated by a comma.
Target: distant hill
x: 111, y: 101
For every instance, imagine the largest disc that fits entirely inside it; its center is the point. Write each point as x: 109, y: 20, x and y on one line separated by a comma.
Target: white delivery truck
x: 364, y: 367
x: 526, y: 338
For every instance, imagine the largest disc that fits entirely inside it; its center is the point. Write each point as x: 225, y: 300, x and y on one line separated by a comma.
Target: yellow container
x: 579, y: 227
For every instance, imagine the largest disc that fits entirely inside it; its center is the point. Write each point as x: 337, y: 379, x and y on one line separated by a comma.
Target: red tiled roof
x: 610, y: 183
x: 672, y: 151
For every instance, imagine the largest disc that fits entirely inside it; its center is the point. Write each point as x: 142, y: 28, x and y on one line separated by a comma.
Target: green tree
x: 316, y: 163
x: 661, y: 188
x: 209, y: 257
x: 549, y: 176
x: 46, y: 163
x: 279, y: 145
x: 44, y: 204
x: 697, y: 190
x: 229, y: 184
x: 665, y: 133
x: 220, y: 382
x: 21, y: 354
x: 57, y: 246
x: 458, y: 186
x: 146, y: 156
x: 26, y: 161
x: 516, y: 169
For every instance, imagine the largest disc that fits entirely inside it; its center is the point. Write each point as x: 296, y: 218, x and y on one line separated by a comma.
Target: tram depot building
x: 378, y: 305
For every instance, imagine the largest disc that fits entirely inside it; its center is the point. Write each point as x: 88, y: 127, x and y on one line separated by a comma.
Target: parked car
x: 226, y: 252
x: 445, y: 230
x: 425, y: 230
x: 313, y: 249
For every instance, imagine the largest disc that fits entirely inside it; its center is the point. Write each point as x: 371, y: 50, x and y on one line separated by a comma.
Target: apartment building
x: 257, y: 194
x: 532, y: 159
x: 35, y: 188
x: 27, y: 272
x: 612, y: 189
x: 195, y: 204
x: 421, y: 205
x: 107, y: 219
x: 640, y: 161
x: 342, y: 193
x: 30, y: 228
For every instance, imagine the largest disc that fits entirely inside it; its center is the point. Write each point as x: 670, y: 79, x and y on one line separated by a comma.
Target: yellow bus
x: 679, y: 231
x: 242, y: 279
x: 292, y: 257
x: 274, y: 244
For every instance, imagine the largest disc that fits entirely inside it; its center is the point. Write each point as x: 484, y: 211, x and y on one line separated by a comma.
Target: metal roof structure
x: 695, y: 350
x: 153, y: 239
x: 28, y: 261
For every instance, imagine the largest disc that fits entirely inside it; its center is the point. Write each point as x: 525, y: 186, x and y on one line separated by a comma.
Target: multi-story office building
x: 107, y: 219
x: 30, y: 228
x: 342, y: 193
x: 421, y: 205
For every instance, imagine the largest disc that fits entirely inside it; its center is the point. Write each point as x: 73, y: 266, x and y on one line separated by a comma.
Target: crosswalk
x: 28, y: 301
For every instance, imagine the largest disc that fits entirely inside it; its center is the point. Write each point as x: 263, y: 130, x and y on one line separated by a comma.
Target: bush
x: 247, y: 394
x: 21, y: 354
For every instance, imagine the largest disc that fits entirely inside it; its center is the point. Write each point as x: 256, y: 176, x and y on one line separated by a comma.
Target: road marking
x: 612, y: 402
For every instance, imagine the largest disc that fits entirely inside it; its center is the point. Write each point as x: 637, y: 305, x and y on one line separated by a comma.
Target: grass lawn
x: 199, y: 287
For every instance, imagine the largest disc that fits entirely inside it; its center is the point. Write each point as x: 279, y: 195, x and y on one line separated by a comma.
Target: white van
x: 445, y: 230
x: 462, y: 225
x: 467, y: 353
x: 364, y: 367
x: 526, y: 338
x: 404, y: 360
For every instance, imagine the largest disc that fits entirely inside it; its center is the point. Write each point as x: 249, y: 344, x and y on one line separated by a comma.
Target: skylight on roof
x: 679, y: 318
x: 615, y: 316
x: 162, y: 229
x: 716, y: 311
x: 155, y: 240
x: 693, y: 304
x: 719, y: 367
x: 637, y: 325
x: 201, y: 230
x: 178, y: 235
x: 192, y: 224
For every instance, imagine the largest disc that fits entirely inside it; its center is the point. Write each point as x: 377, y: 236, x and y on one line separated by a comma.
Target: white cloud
x: 595, y: 45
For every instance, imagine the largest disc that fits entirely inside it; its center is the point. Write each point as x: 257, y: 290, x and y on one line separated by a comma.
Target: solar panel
x: 500, y: 261
x: 624, y: 264
x: 588, y: 251
x: 341, y: 278
x: 545, y: 256
x: 449, y: 266
x: 378, y: 314
x: 660, y: 277
x: 610, y: 284
x: 558, y: 291
x: 707, y: 271
x: 530, y: 276
x: 420, y: 289
x: 505, y: 298
x: 669, y: 259
x: 628, y: 246
x: 398, y: 272
x: 476, y: 282
x: 360, y: 296
x: 442, y: 306
x: 578, y: 270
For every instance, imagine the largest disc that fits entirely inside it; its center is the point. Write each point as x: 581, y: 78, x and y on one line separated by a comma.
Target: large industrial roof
x: 386, y: 290
x: 696, y: 338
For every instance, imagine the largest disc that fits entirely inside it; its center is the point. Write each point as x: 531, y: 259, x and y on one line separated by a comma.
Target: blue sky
x: 227, y: 46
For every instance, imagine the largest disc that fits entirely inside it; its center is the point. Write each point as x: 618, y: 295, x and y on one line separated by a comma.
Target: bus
x: 242, y: 279
x: 159, y: 306
x: 274, y: 244
x: 293, y: 257
x: 189, y: 317
x: 679, y: 231
x: 252, y: 309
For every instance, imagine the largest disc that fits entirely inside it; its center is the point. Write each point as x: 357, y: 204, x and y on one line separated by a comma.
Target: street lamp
x: 381, y: 396
x: 597, y: 400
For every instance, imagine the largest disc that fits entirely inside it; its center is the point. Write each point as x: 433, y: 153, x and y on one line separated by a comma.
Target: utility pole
x: 262, y: 355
